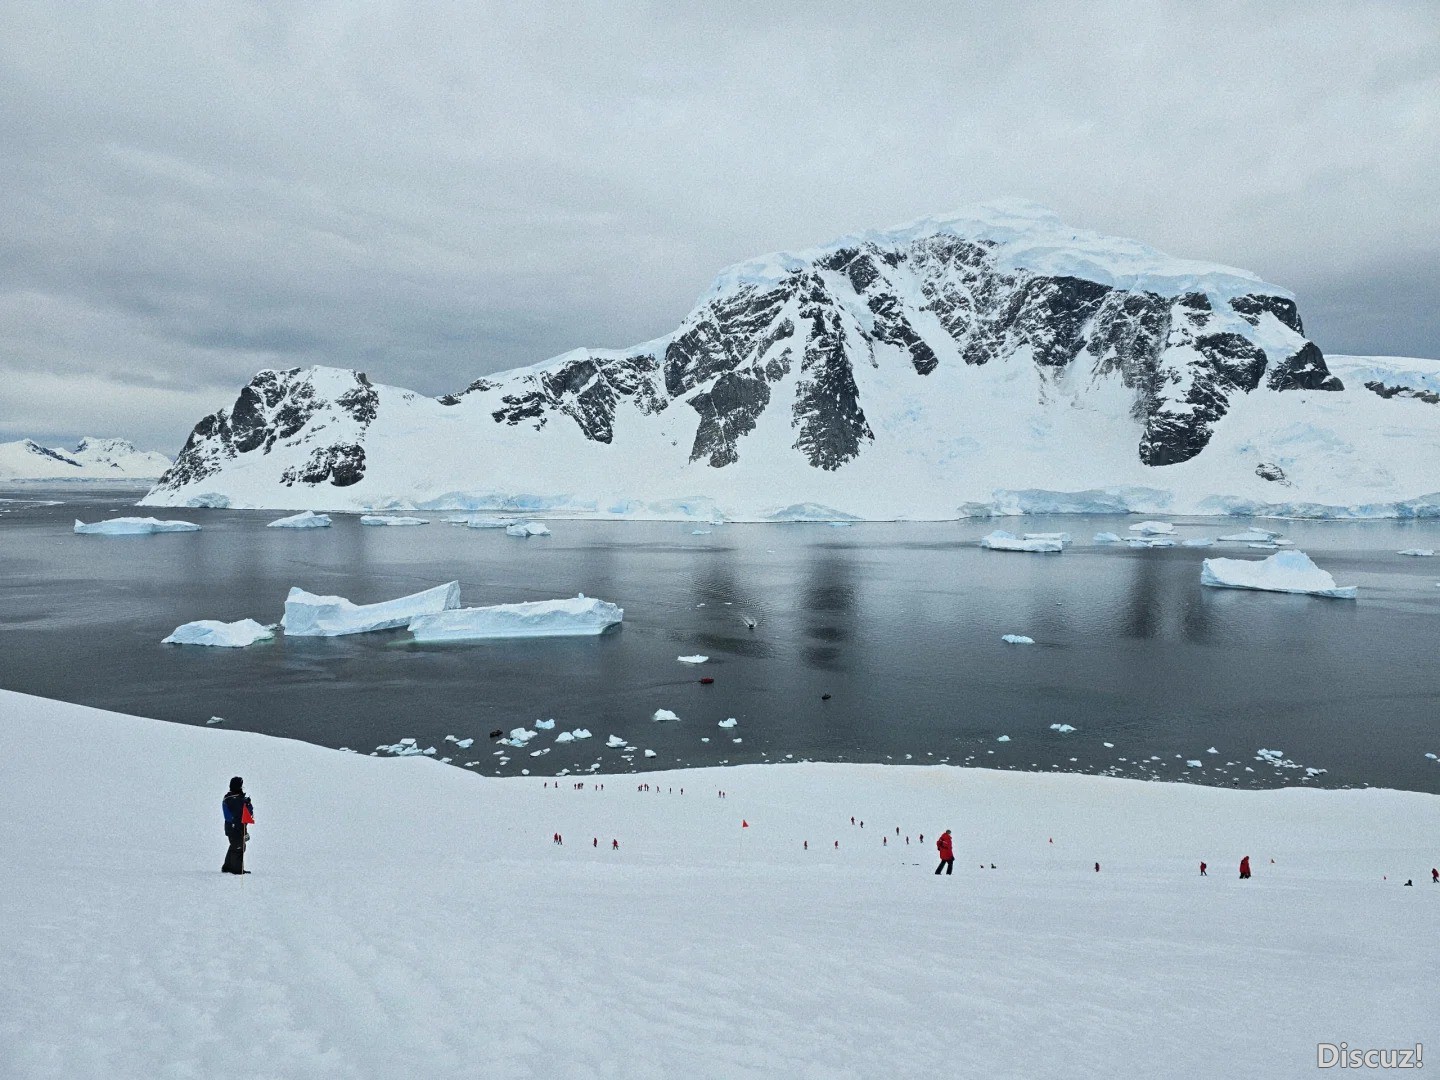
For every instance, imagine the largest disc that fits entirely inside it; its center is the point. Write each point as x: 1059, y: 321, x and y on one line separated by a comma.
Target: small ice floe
x: 705, y: 738
x: 1315, y: 772
x: 309, y: 615
x: 538, y: 753
x: 649, y: 753
x: 1064, y: 729
x: 306, y: 519
x: 133, y: 526
x: 1423, y: 553
x: 387, y: 519
x: 480, y: 521
x: 699, y: 532
x: 404, y: 748
x: 571, y: 736
x: 1250, y: 536
x: 1000, y: 540
x: 518, y: 737
x: 1197, y: 542
x: 545, y: 725
x: 582, y: 616
x: 1432, y: 757
x: 1107, y: 538
x: 1264, y: 547
x: 737, y: 739
x: 663, y: 715
x: 1152, y: 528
x: 1062, y: 537
x: 464, y: 744
x: 221, y: 720
x: 1002, y: 738
x: 1283, y: 572
x: 1193, y: 764
x: 1017, y: 639
x: 1212, y: 750
x: 1108, y: 745
x: 696, y: 659
x: 614, y: 741
x: 225, y: 635
x: 1148, y: 541
x: 728, y: 723
x: 527, y: 528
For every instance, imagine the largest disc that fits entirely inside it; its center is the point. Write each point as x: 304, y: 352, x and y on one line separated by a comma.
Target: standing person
x: 239, y: 814
x: 946, y: 847
x: 1245, y: 868
x: 1202, y: 870
x: 1434, y: 876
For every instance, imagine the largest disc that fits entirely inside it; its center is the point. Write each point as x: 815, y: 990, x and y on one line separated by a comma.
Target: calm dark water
x: 899, y: 623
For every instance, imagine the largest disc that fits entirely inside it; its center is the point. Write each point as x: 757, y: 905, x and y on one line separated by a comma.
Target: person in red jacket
x: 1245, y: 868
x: 947, y: 853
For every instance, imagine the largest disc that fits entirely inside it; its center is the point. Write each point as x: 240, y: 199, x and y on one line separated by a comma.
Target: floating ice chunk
x: 649, y: 753
x: 1283, y: 572
x: 737, y: 739
x: 1212, y: 750
x: 221, y: 720
x: 307, y: 519
x: 1000, y: 540
x: 464, y: 744
x: 527, y: 528
x: 227, y: 635
x: 1107, y: 538
x: 1315, y: 772
x: 404, y: 748
x: 728, y: 723
x: 385, y: 519
x: 696, y: 659
x: 571, y: 736
x: 309, y: 615
x: 1148, y: 541
x: 1421, y: 552
x: 1250, y: 536
x: 1264, y: 547
x: 1197, y: 542
x: 520, y: 736
x: 1063, y: 537
x: 133, y: 526
x: 1003, y: 738
x: 699, y: 532
x: 614, y: 741
x: 578, y: 617
x: 1108, y: 745
x: 1193, y: 764
x: 663, y: 715
x: 480, y: 521
x: 1153, y: 528
x: 1017, y: 639
x: 545, y: 725
x: 1064, y: 729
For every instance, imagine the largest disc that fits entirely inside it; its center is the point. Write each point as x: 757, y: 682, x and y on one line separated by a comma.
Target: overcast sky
x: 430, y: 192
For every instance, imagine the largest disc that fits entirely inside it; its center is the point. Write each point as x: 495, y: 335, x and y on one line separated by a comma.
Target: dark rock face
x: 1268, y: 471
x: 827, y: 401
x: 1305, y: 370
x: 274, y: 409
x: 1385, y: 391
x: 587, y: 391
x: 1250, y: 307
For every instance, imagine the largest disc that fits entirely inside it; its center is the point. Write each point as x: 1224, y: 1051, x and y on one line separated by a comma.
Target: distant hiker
x: 884, y: 841
x: 947, y: 853
x: 1097, y: 868
x: 837, y: 845
x: 595, y: 841
x: 852, y: 819
x: 614, y: 845
x: 1202, y: 870
x: 239, y: 814
x: 1434, y: 876
x: 1409, y: 881
x: 807, y: 845
x: 1245, y: 868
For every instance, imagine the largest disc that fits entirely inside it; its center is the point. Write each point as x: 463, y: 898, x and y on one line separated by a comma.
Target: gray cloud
x: 433, y: 192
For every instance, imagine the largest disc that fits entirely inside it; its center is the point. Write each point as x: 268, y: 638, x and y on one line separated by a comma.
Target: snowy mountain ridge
x: 929, y: 371
x: 92, y: 459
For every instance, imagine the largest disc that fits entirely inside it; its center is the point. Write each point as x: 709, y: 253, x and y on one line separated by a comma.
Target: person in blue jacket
x: 239, y: 814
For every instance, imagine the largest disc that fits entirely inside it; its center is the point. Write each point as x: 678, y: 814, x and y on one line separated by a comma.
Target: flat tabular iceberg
x: 696, y: 659
x: 579, y: 616
x: 1017, y: 639
x: 228, y: 635
x: 1000, y: 540
x: 1250, y: 536
x: 308, y: 615
x: 1063, y: 537
x: 307, y: 519
x: 133, y: 526
x: 1284, y: 572
x: 384, y: 519
x: 1422, y: 552
x: 527, y: 528
x: 1153, y: 528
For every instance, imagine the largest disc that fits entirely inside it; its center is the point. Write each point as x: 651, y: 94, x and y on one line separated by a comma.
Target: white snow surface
x: 1000, y: 540
x: 228, y: 635
x: 92, y: 459
x: 366, y: 945
x: 133, y: 526
x: 306, y: 519
x: 309, y: 615
x: 1283, y: 572
x: 575, y: 617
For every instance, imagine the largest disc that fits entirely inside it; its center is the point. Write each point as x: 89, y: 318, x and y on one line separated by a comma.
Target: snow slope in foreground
x: 408, y: 919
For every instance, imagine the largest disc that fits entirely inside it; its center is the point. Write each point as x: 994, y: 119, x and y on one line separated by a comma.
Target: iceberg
x: 1283, y: 572
x: 729, y: 722
x: 1153, y: 528
x: 1064, y: 729
x: 309, y: 615
x: 1017, y: 639
x: 571, y: 736
x: 306, y: 520
x: 696, y: 659
x: 228, y: 635
x: 1063, y: 537
x: 133, y: 526
x: 1197, y: 542
x: 1422, y: 552
x: 480, y: 521
x: 578, y: 617
x: 615, y: 741
x: 384, y: 519
x: 1107, y: 538
x: 1148, y: 541
x: 526, y: 528
x: 1000, y: 540
x: 1250, y: 536
x: 663, y: 715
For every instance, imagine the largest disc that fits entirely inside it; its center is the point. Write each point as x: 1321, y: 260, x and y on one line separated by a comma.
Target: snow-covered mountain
x: 92, y: 459
x: 983, y: 361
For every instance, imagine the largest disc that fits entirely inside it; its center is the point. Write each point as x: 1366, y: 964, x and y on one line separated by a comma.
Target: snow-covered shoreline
x: 409, y: 919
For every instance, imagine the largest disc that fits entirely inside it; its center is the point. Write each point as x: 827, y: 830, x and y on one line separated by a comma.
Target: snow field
x: 439, y: 932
